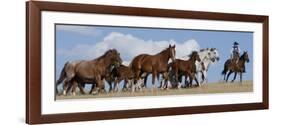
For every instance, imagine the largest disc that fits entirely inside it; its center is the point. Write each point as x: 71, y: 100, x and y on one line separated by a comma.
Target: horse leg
x: 81, y: 88
x: 185, y: 82
x: 66, y: 86
x: 145, y: 81
x: 161, y: 82
x: 92, y: 88
x: 179, y: 77
x: 241, y: 77
x: 110, y: 85
x: 102, y: 86
x: 98, y: 85
x: 224, y: 73
x: 190, y: 80
x: 125, y: 84
x: 74, y: 86
x: 136, y: 79
x: 154, y: 74
x: 114, y: 88
x: 235, y: 74
x: 200, y: 75
x: 158, y: 78
x: 230, y: 72
x: 224, y: 76
x: 128, y: 85
x: 68, y: 83
x: 165, y: 79
x: 116, y: 85
x: 196, y: 80
x: 139, y: 85
x: 204, y: 76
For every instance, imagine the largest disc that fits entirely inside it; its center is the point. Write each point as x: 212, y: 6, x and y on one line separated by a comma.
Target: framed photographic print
x: 94, y: 62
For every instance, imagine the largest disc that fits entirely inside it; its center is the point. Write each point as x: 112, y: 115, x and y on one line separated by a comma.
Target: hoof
x: 94, y: 93
x: 64, y: 92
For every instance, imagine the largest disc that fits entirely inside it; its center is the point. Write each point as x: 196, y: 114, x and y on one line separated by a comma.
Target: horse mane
x: 106, y: 54
x: 192, y: 54
x: 212, y: 49
x: 241, y: 57
x: 201, y: 50
x: 162, y: 51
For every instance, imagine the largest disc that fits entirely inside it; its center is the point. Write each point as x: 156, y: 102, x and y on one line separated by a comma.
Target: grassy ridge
x: 246, y: 86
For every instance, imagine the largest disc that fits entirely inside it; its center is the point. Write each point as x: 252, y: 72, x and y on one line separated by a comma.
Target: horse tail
x: 223, y: 72
x: 62, y: 76
x: 224, y: 69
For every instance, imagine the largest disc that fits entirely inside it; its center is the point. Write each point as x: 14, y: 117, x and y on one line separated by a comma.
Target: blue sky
x: 76, y: 42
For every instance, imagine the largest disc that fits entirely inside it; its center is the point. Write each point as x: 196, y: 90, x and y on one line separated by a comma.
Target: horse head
x: 213, y: 54
x: 114, y: 57
x: 245, y: 56
x: 195, y: 56
x: 172, y: 52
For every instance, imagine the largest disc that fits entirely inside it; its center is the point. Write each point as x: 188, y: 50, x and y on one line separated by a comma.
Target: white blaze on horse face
x: 174, y: 55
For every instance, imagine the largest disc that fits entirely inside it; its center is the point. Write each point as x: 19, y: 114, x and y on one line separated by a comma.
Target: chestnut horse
x: 92, y: 71
x: 154, y: 64
x: 186, y: 68
x: 238, y: 67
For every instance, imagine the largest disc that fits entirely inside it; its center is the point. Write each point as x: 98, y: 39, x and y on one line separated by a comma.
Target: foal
x: 122, y: 73
x: 186, y: 68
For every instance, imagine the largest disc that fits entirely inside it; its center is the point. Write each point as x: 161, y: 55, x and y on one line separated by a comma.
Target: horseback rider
x: 235, y: 52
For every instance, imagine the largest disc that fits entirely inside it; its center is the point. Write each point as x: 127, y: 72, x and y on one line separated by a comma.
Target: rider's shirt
x: 234, y: 50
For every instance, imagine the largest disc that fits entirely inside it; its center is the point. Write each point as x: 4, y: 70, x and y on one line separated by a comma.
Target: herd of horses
x: 109, y: 68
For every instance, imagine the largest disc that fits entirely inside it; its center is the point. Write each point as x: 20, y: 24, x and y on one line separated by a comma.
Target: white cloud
x: 84, y: 30
x: 129, y: 46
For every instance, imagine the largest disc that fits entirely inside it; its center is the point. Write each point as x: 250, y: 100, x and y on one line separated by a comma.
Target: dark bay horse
x: 154, y: 64
x: 231, y: 66
x: 185, y: 68
x: 90, y: 72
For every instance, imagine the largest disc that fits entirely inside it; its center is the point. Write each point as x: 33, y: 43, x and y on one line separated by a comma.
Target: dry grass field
x: 220, y: 87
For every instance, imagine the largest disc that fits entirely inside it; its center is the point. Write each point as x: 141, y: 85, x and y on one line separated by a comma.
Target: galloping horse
x: 185, y: 68
x: 207, y: 56
x: 238, y: 67
x: 92, y: 71
x: 154, y: 64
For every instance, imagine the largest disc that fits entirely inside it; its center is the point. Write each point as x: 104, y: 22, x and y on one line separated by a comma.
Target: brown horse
x: 236, y: 67
x: 92, y: 71
x: 186, y: 68
x: 154, y: 64
x: 122, y: 73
